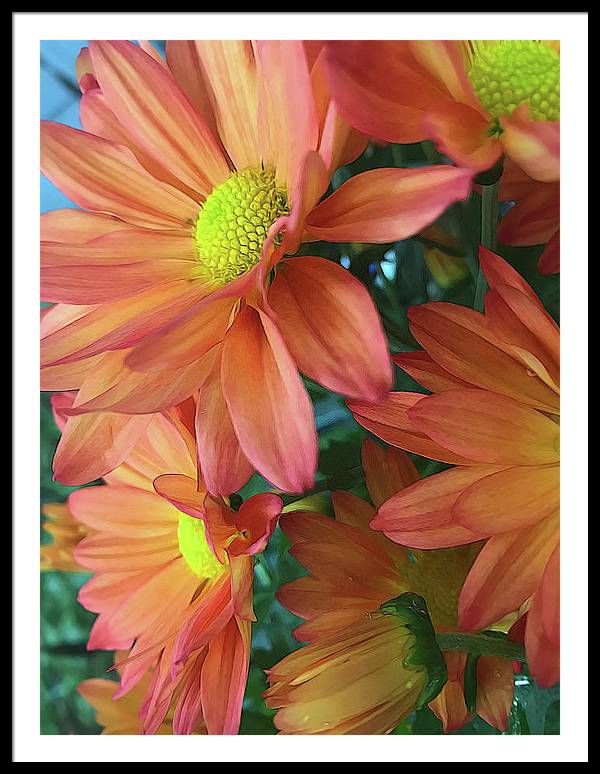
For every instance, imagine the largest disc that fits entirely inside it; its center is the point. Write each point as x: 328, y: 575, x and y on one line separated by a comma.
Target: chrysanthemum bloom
x: 363, y: 680
x: 66, y: 533
x: 535, y: 219
x: 199, y: 175
x: 494, y: 415
x: 173, y: 589
x: 122, y: 716
x: 352, y: 572
x: 474, y: 99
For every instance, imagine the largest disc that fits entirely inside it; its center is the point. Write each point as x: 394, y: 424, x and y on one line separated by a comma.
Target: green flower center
x: 234, y: 220
x: 507, y: 73
x: 194, y: 548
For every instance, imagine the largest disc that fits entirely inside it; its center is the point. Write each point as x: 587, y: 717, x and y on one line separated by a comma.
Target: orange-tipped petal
x: 461, y: 341
x: 225, y: 467
x: 387, y: 471
x: 487, y: 427
x: 384, y: 205
x: 533, y: 220
x: 331, y: 327
x: 509, y: 499
x: 224, y: 675
x: 287, y: 117
x: 387, y: 99
x: 150, y: 105
x: 183, y: 59
x: 76, y: 227
x: 534, y: 145
x: 94, y: 444
x: 389, y: 420
x: 420, y: 516
x: 114, y: 266
x: 449, y: 705
x: 507, y: 571
x: 445, y: 61
x: 119, y: 324
x: 269, y: 407
x: 123, y: 510
x: 495, y: 690
x: 101, y: 176
x: 185, y: 339
x: 230, y: 70
x: 542, y: 633
x: 427, y: 372
x: 461, y: 133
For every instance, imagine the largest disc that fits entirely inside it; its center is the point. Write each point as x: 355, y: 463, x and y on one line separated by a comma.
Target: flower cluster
x: 196, y: 306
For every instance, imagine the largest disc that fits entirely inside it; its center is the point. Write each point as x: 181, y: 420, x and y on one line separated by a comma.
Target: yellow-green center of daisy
x: 507, y: 73
x: 194, y: 548
x: 234, y: 220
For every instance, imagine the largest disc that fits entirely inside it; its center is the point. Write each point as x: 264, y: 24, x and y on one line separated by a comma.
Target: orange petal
x: 119, y: 324
x: 534, y: 145
x: 495, y: 690
x: 542, y: 634
x: 389, y: 420
x: 122, y: 390
x: 224, y: 675
x: 462, y: 134
x: 242, y: 577
x: 384, y: 205
x: 486, y: 427
x: 230, y: 70
x: 461, y: 341
x: 387, y: 471
x: 182, y: 491
x: 183, y: 59
x: 94, y: 444
x: 114, y: 266
x: 421, y: 515
x: 444, y: 60
x: 123, y: 510
x: 153, y: 109
x: 225, y: 467
x: 287, y: 117
x: 270, y: 409
x: 76, y: 227
x: 331, y: 327
x: 387, y: 99
x: 427, y: 372
x: 101, y: 176
x: 449, y: 705
x: 185, y: 339
x: 165, y: 444
x: 534, y: 219
x: 510, y: 499
x: 507, y: 571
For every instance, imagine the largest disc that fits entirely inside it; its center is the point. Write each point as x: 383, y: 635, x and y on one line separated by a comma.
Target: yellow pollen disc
x: 234, y: 220
x: 507, y: 73
x: 194, y: 548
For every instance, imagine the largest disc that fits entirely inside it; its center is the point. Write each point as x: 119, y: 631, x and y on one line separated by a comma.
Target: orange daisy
x: 353, y: 571
x: 173, y: 589
x: 494, y: 414
x: 199, y: 177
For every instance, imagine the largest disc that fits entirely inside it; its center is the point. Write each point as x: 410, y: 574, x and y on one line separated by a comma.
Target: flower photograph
x: 299, y: 353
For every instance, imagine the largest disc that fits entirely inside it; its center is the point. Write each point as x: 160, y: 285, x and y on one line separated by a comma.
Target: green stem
x: 489, y: 221
x: 480, y: 645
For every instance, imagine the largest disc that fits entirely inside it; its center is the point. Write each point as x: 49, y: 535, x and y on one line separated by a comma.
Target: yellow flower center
x: 194, y: 548
x: 234, y: 220
x: 506, y: 73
